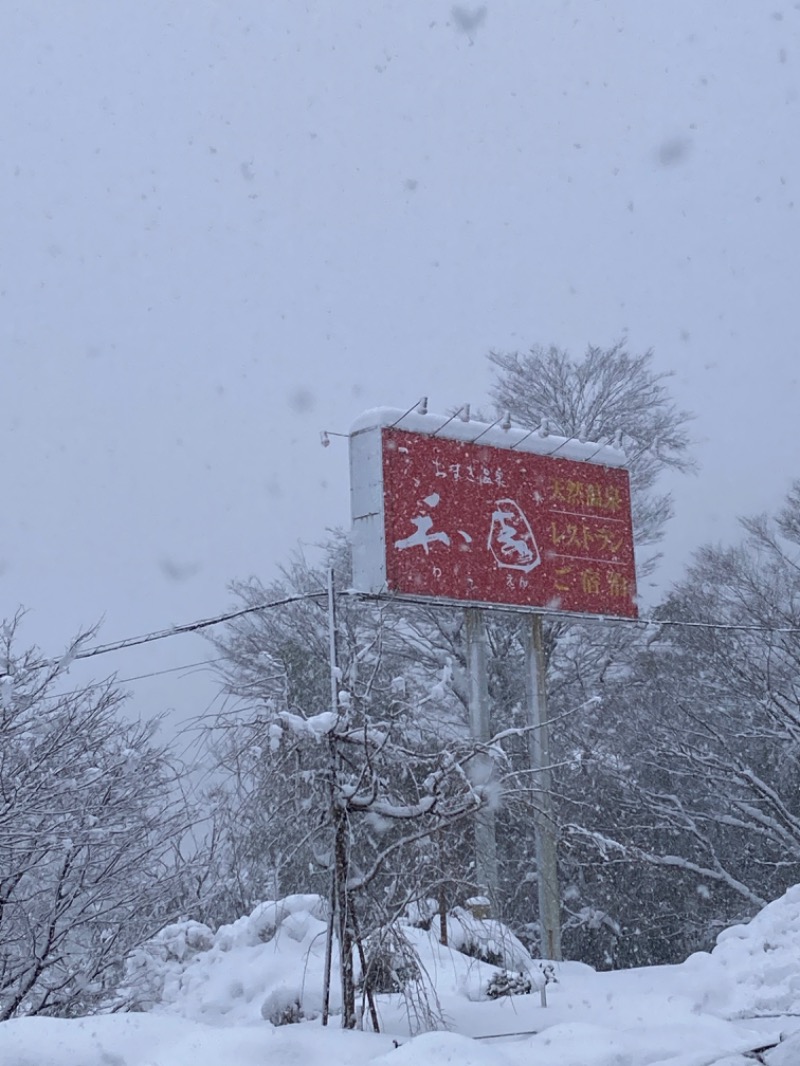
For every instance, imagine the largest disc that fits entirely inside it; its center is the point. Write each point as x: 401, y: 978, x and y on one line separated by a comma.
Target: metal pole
x: 543, y: 819
x: 332, y: 643
x: 478, y: 689
x: 334, y: 673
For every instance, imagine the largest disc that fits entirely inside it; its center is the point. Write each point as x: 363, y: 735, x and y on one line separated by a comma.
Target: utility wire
x: 580, y: 616
x: 187, y: 627
x: 228, y: 616
x: 170, y: 670
x: 176, y: 630
x: 126, y: 680
x: 190, y: 627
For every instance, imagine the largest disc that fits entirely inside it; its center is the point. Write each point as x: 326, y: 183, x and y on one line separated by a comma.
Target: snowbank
x: 759, y: 962
x: 237, y: 975
x: 156, y: 1040
x: 270, y: 964
x: 207, y: 993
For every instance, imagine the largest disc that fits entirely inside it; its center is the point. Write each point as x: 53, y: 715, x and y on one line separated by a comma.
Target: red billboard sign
x: 474, y: 522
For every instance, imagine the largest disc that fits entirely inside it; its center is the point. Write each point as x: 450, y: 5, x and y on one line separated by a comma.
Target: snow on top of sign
x: 453, y: 427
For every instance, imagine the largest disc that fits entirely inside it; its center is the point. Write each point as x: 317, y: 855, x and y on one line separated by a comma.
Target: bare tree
x: 91, y: 812
x: 701, y: 763
x: 609, y: 394
x: 277, y: 662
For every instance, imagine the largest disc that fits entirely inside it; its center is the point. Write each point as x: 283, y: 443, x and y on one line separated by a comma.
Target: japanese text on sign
x: 488, y: 524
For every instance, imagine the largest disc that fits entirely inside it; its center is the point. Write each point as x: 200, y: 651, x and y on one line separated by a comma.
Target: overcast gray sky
x: 228, y: 225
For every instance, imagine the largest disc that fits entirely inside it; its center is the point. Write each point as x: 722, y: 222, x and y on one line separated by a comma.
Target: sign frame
x: 454, y: 511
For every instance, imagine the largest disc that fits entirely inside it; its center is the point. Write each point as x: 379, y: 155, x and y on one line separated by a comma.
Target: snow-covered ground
x: 205, y: 999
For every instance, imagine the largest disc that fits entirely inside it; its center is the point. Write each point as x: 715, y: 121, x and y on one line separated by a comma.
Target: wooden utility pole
x: 340, y: 916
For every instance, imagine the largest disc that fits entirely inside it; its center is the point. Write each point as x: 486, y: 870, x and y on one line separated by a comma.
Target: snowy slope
x: 207, y: 994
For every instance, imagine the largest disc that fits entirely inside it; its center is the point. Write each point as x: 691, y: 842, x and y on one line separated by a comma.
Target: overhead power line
x: 228, y: 616
x: 175, y: 630
x: 578, y: 616
x: 190, y: 627
x: 137, y: 677
x: 171, y: 670
x: 183, y: 668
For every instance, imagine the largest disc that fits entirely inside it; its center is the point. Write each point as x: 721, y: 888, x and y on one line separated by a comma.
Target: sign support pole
x: 334, y: 678
x: 543, y: 819
x: 478, y: 690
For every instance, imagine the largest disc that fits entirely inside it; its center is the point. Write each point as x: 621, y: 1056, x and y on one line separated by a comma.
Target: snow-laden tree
x: 91, y: 815
x: 366, y: 800
x: 401, y: 678
x: 608, y: 394
x: 698, y: 745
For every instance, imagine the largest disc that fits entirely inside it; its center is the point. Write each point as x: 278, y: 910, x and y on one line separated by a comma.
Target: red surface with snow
x: 494, y: 525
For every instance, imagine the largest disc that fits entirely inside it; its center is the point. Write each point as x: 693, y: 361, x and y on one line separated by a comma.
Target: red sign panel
x: 495, y: 525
